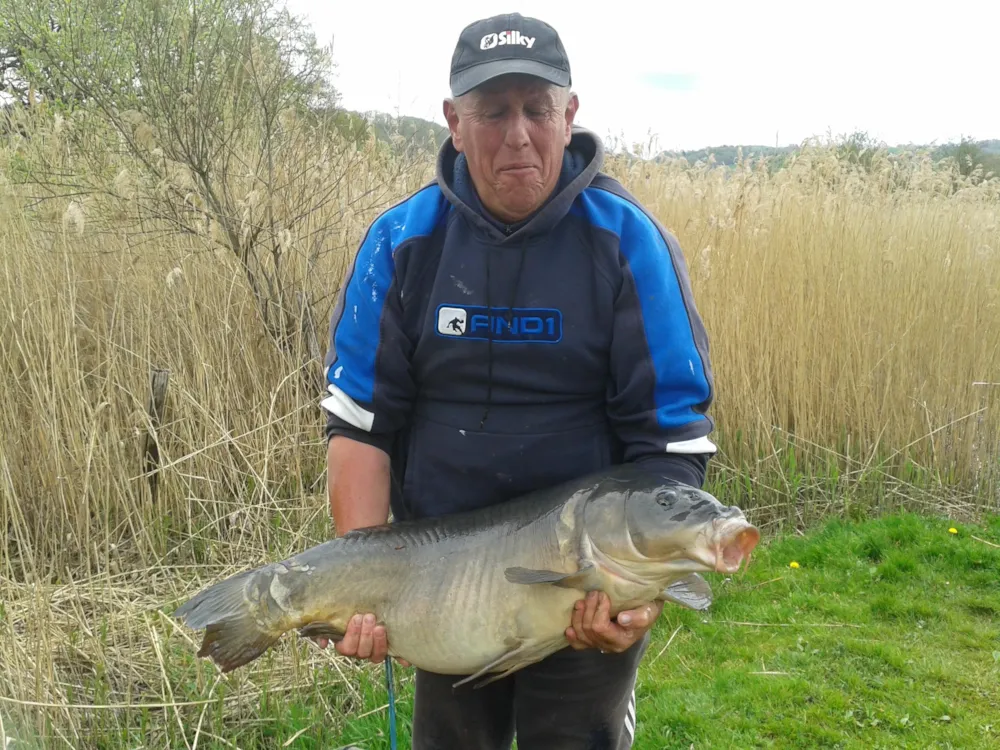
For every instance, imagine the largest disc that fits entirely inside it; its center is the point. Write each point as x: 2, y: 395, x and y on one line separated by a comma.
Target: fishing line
x: 392, y: 702
x: 388, y: 659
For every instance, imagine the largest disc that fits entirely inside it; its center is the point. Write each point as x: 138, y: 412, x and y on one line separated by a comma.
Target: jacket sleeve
x: 661, y: 383
x: 367, y: 371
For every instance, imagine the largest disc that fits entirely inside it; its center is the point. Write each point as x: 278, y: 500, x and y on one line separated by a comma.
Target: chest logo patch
x: 451, y: 320
x: 535, y: 325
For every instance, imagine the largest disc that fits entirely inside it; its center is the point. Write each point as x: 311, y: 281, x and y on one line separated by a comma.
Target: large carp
x: 486, y: 592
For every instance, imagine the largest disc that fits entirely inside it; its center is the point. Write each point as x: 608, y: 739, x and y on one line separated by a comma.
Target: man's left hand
x: 592, y: 626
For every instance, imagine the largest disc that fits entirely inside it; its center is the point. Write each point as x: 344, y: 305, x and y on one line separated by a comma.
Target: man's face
x: 513, y: 131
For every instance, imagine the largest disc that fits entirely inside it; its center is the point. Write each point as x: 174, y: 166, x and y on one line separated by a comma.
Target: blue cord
x: 392, y: 702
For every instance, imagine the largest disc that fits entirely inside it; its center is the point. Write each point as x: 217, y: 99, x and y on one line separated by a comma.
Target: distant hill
x: 986, y: 152
x: 398, y: 132
x: 414, y: 130
x: 409, y: 131
x: 727, y: 155
x: 990, y: 146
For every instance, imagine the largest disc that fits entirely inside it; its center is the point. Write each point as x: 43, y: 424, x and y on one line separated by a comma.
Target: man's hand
x: 592, y: 626
x: 364, y: 639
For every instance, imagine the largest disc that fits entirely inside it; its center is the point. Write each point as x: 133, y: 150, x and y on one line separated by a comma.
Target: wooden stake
x: 310, y: 340
x: 159, y: 379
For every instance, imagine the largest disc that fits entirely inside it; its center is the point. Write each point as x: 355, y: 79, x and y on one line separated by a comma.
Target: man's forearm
x: 358, y: 484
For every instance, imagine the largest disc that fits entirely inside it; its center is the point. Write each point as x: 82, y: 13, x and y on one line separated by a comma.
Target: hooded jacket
x: 489, y: 360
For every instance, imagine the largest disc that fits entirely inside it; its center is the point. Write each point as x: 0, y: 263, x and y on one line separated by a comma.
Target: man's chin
x: 520, y: 198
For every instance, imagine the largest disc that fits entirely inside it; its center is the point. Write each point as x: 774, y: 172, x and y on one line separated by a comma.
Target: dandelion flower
x: 793, y: 564
x: 952, y: 530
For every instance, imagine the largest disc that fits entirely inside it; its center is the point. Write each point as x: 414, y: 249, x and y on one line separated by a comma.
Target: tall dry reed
x: 853, y: 317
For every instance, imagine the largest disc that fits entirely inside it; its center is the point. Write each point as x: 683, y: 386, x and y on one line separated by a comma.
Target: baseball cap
x: 508, y: 43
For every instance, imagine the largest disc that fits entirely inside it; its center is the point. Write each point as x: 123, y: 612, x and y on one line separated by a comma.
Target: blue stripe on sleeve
x: 680, y: 380
x: 357, y: 333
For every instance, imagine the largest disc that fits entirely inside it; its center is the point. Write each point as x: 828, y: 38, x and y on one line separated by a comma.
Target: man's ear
x: 451, y: 116
x: 571, y: 108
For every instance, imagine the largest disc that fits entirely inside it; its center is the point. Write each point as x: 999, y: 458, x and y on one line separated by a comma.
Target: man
x: 519, y: 321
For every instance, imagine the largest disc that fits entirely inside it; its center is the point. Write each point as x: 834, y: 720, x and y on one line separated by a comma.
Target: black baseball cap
x: 509, y: 43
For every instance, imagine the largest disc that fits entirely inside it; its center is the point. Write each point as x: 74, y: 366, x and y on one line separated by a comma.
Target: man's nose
x: 517, y: 131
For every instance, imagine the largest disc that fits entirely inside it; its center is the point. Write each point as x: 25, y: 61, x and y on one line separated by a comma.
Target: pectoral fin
x: 692, y: 592
x: 523, y: 654
x: 320, y: 629
x: 577, y: 580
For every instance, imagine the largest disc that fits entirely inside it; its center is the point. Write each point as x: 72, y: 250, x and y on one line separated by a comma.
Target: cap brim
x: 468, y: 79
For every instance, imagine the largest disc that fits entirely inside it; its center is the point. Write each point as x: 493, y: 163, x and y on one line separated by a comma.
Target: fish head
x: 688, y: 529
x: 660, y: 526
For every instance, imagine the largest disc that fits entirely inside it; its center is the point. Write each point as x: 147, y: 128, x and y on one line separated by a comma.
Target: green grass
x: 887, y: 635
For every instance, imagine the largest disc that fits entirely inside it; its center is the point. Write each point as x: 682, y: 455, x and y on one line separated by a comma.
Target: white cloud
x: 905, y: 72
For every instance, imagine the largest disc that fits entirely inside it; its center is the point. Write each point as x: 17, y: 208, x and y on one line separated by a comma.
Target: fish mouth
x: 733, y: 544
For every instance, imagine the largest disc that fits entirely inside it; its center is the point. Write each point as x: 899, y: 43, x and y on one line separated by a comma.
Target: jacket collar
x: 582, y: 161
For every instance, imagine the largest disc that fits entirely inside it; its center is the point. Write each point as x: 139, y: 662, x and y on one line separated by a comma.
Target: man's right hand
x: 364, y: 639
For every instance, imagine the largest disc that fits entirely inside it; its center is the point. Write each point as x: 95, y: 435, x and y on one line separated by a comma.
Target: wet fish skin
x: 486, y: 592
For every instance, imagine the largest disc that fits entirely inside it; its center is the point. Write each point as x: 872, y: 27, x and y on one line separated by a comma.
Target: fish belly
x: 458, y: 613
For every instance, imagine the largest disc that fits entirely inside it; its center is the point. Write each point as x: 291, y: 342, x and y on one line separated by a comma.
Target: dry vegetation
x: 850, y: 312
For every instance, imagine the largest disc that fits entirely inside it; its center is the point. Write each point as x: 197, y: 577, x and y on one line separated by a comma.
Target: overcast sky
x: 704, y: 73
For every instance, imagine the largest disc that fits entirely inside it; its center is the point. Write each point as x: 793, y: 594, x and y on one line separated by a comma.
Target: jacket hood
x: 582, y: 160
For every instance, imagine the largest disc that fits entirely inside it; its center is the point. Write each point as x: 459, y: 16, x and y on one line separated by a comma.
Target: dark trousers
x: 572, y: 700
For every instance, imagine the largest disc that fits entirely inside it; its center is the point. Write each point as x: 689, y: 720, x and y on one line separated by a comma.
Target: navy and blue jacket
x: 489, y: 360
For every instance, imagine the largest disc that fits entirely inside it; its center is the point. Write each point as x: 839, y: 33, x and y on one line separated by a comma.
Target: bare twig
x: 991, y: 544
x: 764, y: 583
x: 298, y: 734
x: 667, y: 644
x: 789, y: 624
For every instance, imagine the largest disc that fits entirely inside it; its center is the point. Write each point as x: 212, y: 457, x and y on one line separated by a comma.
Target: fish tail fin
x: 233, y: 636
